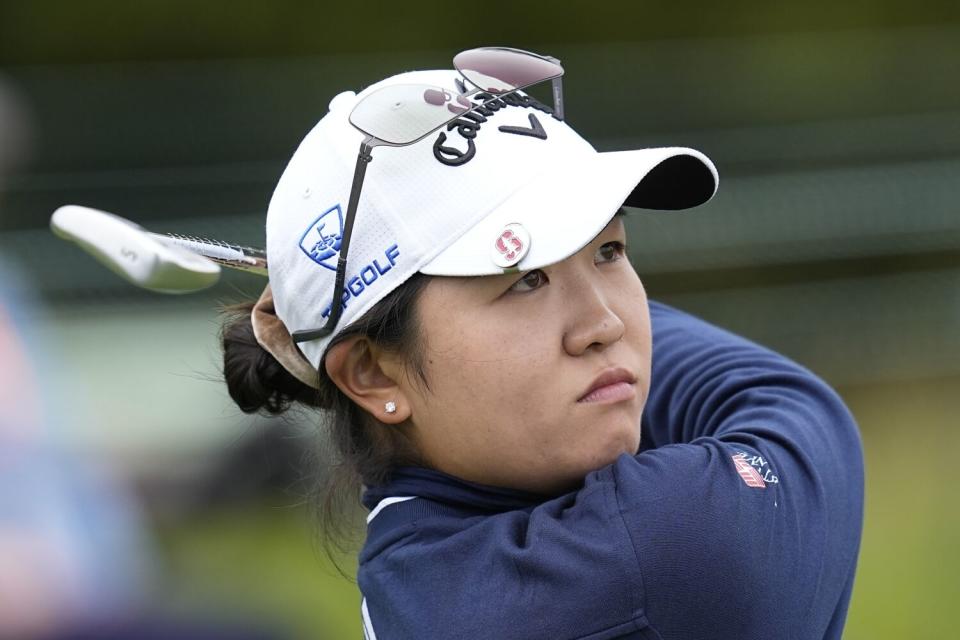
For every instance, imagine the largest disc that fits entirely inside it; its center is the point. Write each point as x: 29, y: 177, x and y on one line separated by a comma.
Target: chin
x: 621, y: 441
x: 569, y: 474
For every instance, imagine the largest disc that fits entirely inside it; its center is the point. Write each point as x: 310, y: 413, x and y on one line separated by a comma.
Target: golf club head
x: 132, y: 252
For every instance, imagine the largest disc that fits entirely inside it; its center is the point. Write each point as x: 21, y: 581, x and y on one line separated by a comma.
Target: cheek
x: 487, y: 390
x: 490, y: 372
x: 637, y: 329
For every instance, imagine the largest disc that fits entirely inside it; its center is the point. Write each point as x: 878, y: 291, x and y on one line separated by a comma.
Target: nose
x: 594, y: 324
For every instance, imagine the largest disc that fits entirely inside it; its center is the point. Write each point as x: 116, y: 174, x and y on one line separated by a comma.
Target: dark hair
x: 364, y: 450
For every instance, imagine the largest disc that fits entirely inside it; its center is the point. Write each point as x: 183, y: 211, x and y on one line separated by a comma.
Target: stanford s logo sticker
x: 511, y: 246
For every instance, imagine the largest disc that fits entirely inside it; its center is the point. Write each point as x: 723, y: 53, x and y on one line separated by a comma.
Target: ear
x: 359, y: 369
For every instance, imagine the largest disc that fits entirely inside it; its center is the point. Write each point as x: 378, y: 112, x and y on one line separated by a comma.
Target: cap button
x: 342, y: 100
x: 510, y: 245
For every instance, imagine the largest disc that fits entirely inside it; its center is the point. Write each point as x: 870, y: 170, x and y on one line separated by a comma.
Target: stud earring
x: 390, y: 407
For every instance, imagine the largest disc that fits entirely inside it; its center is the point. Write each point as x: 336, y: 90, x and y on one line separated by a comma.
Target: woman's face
x: 510, y: 360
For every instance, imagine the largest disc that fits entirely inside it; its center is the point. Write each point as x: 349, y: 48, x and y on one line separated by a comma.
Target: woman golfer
x: 543, y: 452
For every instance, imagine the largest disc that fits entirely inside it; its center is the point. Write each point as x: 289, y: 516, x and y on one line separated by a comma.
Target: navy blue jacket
x: 740, y: 517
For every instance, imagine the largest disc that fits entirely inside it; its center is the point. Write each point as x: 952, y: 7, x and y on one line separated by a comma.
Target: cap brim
x: 565, y: 208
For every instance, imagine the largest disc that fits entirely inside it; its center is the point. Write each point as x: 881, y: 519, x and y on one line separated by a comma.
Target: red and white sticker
x: 510, y: 246
x: 750, y: 476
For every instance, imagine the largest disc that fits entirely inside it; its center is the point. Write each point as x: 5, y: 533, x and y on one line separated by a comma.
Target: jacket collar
x: 449, y: 490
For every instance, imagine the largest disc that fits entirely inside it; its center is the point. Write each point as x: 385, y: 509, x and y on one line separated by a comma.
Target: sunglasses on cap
x: 400, y: 115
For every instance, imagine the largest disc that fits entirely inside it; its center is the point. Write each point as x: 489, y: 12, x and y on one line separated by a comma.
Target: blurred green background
x: 834, y: 238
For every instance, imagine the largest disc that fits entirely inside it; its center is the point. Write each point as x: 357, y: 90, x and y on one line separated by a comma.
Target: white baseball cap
x: 508, y: 190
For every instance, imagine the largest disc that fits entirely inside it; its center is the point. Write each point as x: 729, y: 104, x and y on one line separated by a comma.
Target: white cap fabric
x: 517, y: 190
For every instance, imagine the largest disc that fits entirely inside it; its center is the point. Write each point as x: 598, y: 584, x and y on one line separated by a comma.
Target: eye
x: 611, y: 252
x: 530, y: 281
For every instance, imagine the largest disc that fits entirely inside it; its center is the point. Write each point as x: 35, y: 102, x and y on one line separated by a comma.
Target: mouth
x: 614, y: 384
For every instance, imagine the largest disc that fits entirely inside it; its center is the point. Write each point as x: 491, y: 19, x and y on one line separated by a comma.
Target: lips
x: 608, y: 378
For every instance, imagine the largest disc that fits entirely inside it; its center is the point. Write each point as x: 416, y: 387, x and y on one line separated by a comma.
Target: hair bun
x: 255, y: 380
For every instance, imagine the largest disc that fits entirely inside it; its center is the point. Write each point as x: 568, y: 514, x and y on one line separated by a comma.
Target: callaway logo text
x: 469, y: 124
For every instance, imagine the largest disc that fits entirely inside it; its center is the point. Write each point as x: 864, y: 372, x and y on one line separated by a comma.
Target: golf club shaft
x: 225, y: 254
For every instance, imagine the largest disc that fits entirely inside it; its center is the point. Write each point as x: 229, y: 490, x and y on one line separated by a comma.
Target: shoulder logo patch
x: 747, y: 473
x: 749, y: 468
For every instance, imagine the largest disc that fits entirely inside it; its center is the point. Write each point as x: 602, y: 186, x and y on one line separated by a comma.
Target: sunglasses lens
x: 403, y: 113
x: 499, y: 70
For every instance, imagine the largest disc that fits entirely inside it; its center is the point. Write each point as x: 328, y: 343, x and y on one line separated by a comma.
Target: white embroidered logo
x: 754, y: 470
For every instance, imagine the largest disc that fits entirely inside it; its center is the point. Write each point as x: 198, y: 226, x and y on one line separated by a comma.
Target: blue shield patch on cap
x: 321, y: 240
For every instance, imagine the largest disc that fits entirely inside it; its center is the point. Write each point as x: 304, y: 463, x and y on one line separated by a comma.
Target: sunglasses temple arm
x: 557, y: 89
x: 336, y: 305
x: 558, y: 97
